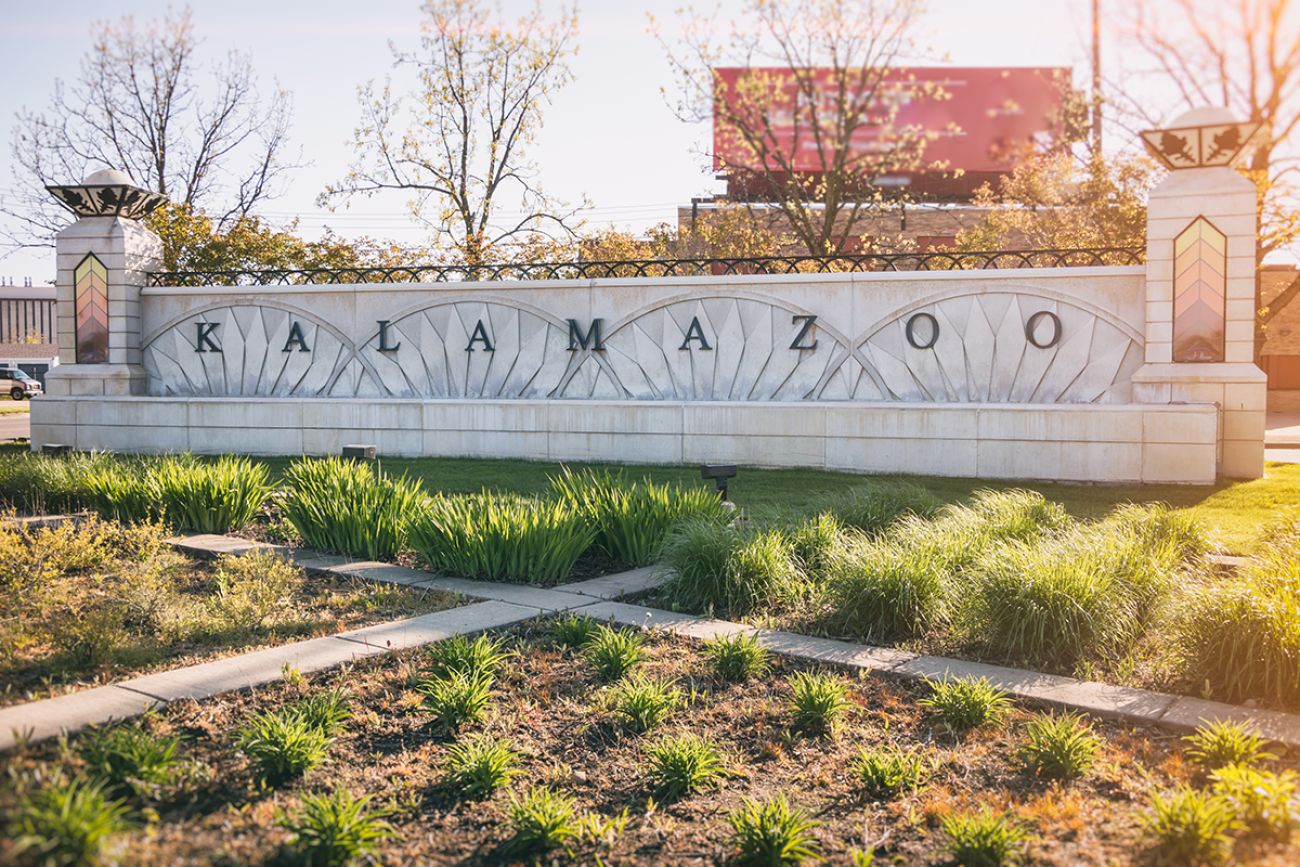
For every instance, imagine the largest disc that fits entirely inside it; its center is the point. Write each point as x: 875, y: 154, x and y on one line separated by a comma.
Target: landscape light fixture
x: 719, y: 473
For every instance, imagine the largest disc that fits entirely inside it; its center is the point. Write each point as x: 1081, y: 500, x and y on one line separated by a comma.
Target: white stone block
x: 1189, y: 463
x: 1188, y: 427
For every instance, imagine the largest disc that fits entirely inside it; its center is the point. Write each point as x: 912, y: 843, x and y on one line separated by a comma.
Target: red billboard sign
x: 978, y: 120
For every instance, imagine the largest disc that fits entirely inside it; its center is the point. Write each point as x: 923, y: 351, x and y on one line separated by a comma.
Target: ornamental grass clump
x: 890, y: 588
x: 737, y: 658
x: 984, y: 839
x: 541, y: 820
x: 1059, y: 747
x: 1265, y: 803
x: 335, y: 829
x: 501, y: 537
x: 772, y: 832
x: 68, y: 821
x: 614, y: 652
x: 677, y: 766
x: 283, y: 745
x: 884, y: 772
x: 875, y: 506
x: 482, y: 654
x: 480, y: 764
x: 217, y: 496
x: 37, y: 484
x: 573, y: 631
x: 1190, y: 827
x: 129, y: 760
x: 457, y: 698
x: 124, y: 491
x: 817, y: 544
x: 1239, y: 638
x: 641, y: 703
x: 632, y: 519
x: 1220, y: 743
x: 817, y: 701
x: 325, y: 711
x: 730, y: 572
x: 964, y: 703
x: 350, y: 507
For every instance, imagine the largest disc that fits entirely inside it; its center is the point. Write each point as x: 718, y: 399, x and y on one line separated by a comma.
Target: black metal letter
x: 809, y: 322
x: 480, y: 335
x: 206, y: 330
x: 1032, y: 326
x: 910, y: 331
x: 695, y: 332
x: 593, y: 337
x: 383, y: 338
x: 296, y: 338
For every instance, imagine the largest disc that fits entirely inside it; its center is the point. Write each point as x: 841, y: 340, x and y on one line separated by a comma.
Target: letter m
x: 593, y: 339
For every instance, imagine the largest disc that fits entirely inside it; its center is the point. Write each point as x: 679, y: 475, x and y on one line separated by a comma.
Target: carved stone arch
x: 251, y: 362
x: 982, y: 353
x: 529, y: 357
x: 749, y: 356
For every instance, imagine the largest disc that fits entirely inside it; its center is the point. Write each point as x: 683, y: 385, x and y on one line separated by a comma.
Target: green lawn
x: 1234, y: 511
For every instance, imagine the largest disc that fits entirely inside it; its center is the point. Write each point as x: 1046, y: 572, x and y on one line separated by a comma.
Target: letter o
x: 910, y: 331
x: 1032, y: 326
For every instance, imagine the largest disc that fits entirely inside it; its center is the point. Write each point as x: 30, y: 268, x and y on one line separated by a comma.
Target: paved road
x: 15, y: 425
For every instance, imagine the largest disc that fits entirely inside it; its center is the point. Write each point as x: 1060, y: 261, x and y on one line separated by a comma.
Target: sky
x: 609, y: 136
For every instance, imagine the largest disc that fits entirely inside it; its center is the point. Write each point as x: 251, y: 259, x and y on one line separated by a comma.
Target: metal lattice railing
x: 936, y: 260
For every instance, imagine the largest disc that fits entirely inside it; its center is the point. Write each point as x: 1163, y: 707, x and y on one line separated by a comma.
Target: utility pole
x: 1096, y: 79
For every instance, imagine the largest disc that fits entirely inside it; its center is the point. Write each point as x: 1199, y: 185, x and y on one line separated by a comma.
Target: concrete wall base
x: 1084, y: 443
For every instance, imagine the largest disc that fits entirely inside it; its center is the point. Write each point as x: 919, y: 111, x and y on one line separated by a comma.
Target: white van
x: 18, y: 384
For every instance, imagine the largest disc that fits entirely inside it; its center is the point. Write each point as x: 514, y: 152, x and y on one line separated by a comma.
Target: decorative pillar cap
x: 1204, y: 137
x: 107, y: 193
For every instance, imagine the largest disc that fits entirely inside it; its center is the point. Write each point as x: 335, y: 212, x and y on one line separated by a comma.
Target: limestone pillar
x: 1200, y: 286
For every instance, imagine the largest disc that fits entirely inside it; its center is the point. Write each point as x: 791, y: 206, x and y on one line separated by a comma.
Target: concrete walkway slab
x: 383, y: 573
x: 440, y: 625
x: 520, y: 594
x: 622, y: 584
x: 1187, y: 713
x: 212, y: 545
x: 47, y: 718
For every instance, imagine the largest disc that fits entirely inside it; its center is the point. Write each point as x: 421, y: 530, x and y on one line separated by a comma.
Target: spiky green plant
x: 614, y: 652
x: 457, y: 698
x: 480, y: 764
x: 573, y: 630
x: 127, y: 757
x: 984, y: 839
x: 324, y: 711
x: 68, y: 821
x: 817, y: 700
x: 331, y: 830
x: 541, y: 820
x: 482, y: 654
x: 1059, y: 746
x: 682, y: 764
x: 1190, y: 827
x: 883, y: 772
x: 1264, y: 802
x: 964, y: 703
x: 1222, y: 742
x: 501, y: 537
x: 737, y: 658
x: 632, y: 519
x: 641, y: 703
x: 125, y: 491
x: 217, y: 496
x: 350, y: 507
x: 282, y: 745
x: 772, y: 832
x: 730, y: 572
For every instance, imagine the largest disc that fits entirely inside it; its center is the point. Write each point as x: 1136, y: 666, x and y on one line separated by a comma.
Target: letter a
x: 296, y: 338
x: 480, y: 335
x: 695, y: 332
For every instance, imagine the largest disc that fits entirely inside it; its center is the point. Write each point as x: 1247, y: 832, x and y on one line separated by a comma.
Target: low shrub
x: 349, y: 507
x: 1220, y: 743
x: 730, y: 572
x: 642, y: 703
x: 481, y: 655
x: 1059, y: 747
x: 772, y: 832
x: 737, y: 658
x: 282, y: 745
x: 67, y: 822
x: 457, y: 698
x: 1190, y: 827
x: 573, y: 630
x: 874, y: 507
x: 1264, y: 802
x: 127, y: 759
x: 889, y: 589
x: 541, y: 820
x: 252, y: 589
x: 614, y: 652
x: 501, y: 537
x: 480, y: 764
x: 884, y: 772
x: 964, y: 703
x: 683, y: 764
x: 335, y: 829
x: 984, y: 839
x: 217, y: 496
x: 632, y: 519
x: 817, y: 700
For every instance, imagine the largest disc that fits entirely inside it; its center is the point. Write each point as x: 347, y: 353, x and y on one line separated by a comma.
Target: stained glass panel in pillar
x: 91, y: 307
x: 1200, y: 287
